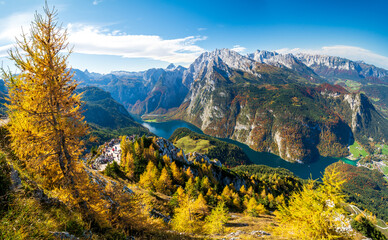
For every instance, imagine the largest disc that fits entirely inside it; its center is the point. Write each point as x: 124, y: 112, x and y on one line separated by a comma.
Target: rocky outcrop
x: 365, y: 120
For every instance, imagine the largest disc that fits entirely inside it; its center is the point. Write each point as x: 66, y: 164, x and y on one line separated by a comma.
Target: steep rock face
x: 370, y: 79
x: 264, y: 99
x: 167, y: 92
x: 222, y: 59
x: 266, y: 125
x: 357, y: 111
x: 365, y: 120
x: 285, y: 61
x: 155, y: 90
x: 225, y: 101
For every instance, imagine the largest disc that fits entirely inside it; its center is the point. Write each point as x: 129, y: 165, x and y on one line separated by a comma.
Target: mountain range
x: 296, y: 106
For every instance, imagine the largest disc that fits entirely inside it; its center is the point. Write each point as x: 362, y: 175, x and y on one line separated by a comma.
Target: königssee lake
x: 314, y: 170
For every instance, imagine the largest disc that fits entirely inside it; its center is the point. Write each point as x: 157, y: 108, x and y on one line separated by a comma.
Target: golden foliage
x: 164, y: 183
x: 215, y: 222
x: 149, y: 178
x: 315, y: 213
x: 254, y: 209
x: 45, y: 113
x: 187, y: 217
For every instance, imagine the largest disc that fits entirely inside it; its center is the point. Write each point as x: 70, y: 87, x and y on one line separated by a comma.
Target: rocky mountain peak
x: 222, y: 59
x: 171, y: 66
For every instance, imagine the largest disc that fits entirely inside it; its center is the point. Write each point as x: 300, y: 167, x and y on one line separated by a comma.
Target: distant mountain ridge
x: 280, y: 103
x: 327, y: 67
x: 157, y: 91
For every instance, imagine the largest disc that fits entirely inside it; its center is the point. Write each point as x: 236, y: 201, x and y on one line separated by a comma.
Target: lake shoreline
x: 312, y: 170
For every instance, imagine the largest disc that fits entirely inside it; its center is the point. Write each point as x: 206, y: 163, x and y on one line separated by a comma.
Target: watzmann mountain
x: 296, y: 106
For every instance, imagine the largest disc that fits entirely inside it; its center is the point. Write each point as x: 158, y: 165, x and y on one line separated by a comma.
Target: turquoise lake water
x: 314, y: 170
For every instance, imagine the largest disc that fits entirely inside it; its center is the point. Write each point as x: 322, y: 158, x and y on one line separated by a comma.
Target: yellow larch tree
x: 46, y: 124
x: 215, y: 222
x: 44, y: 111
x: 164, y: 184
x: 316, y: 213
x: 201, y: 204
x: 177, y: 174
x: 254, y: 209
x: 187, y: 216
x: 149, y: 178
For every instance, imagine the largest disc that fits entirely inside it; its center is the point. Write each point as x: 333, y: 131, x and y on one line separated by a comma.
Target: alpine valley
x: 296, y: 106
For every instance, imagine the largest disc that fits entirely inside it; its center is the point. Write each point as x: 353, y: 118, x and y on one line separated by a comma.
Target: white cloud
x: 202, y: 29
x: 350, y: 52
x: 96, y: 2
x: 94, y: 40
x: 4, y: 50
x: 11, y: 26
x: 238, y: 48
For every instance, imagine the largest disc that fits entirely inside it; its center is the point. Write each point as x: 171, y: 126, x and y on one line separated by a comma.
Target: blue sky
x: 134, y: 35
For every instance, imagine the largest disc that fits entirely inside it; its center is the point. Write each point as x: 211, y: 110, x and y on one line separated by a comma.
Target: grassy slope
x: 357, y: 150
x: 385, y: 149
x: 23, y: 215
x: 385, y: 170
x: 28, y: 218
x: 229, y: 154
x: 191, y: 145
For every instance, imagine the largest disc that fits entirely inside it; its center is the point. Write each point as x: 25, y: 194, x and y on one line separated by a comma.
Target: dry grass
x: 190, y: 145
x: 246, y: 225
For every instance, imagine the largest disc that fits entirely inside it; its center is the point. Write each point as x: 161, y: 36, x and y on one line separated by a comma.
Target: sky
x: 135, y: 35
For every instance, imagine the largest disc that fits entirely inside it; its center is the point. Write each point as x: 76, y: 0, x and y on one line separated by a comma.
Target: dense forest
x: 367, y: 188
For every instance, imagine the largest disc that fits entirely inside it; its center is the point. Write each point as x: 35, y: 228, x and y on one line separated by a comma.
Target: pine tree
x: 227, y: 195
x: 189, y: 173
x: 236, y: 201
x: 138, y: 149
x: 129, y: 165
x: 190, y: 188
x: 270, y: 197
x: 250, y: 191
x: 180, y: 192
x: 46, y: 123
x: 242, y: 190
x: 205, y: 184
